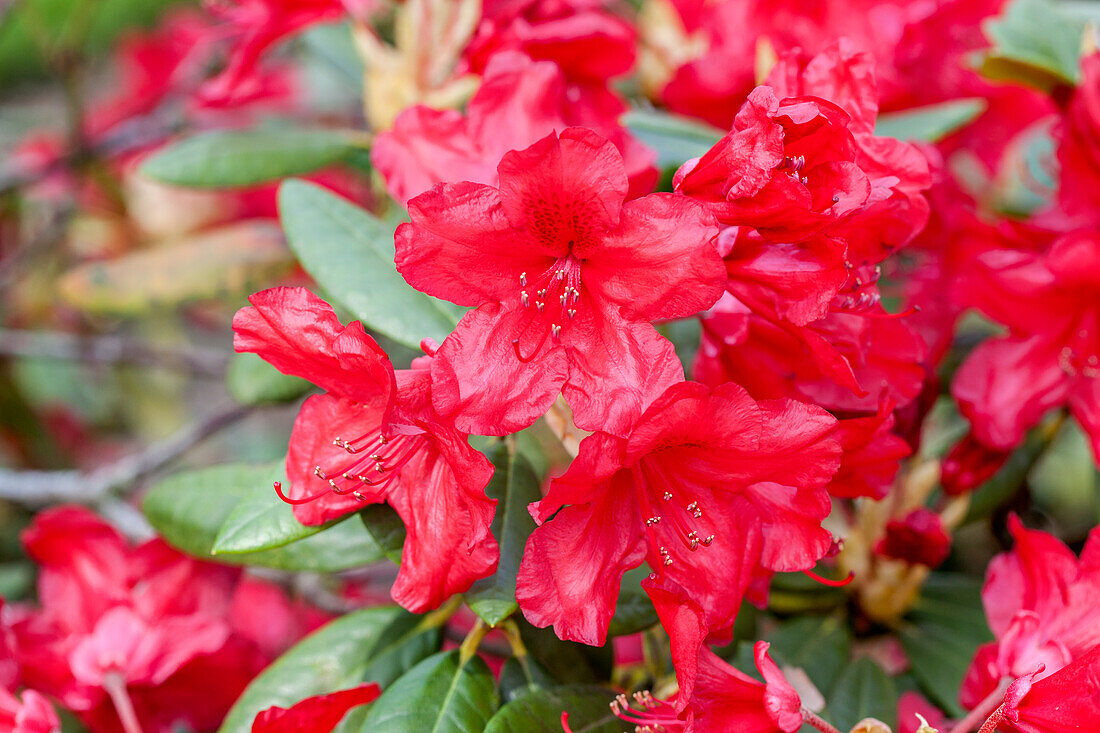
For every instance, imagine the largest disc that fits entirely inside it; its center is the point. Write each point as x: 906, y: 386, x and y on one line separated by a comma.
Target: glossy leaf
x: 518, y: 674
x: 930, y: 123
x: 252, y: 381
x: 189, y: 509
x: 441, y: 694
x: 233, y: 158
x: 385, y: 528
x: 863, y: 690
x: 566, y: 661
x: 818, y: 644
x: 634, y: 611
x: 350, y: 254
x: 941, y: 635
x: 1034, y: 44
x: 337, y: 656
x: 539, y: 711
x: 676, y: 139
x: 260, y: 521
x: 514, y: 485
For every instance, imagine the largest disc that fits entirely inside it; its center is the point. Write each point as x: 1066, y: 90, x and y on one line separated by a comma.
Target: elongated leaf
x: 441, y: 694
x: 350, y: 253
x: 189, y: 509
x: 676, y: 139
x: 252, y: 381
x: 260, y: 521
x: 514, y: 486
x: 1034, y: 44
x: 233, y: 259
x: 385, y: 528
x: 943, y: 632
x: 231, y: 158
x: 539, y: 711
x: 931, y: 123
x: 566, y: 661
x: 817, y: 644
x: 863, y: 691
x: 519, y: 674
x: 341, y: 654
x: 634, y: 611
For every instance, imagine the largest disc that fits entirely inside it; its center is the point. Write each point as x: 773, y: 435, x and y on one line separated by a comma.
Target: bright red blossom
x: 919, y: 537
x: 566, y: 275
x: 374, y: 437
x: 1068, y: 700
x: 519, y: 102
x: 142, y: 626
x: 317, y: 714
x: 709, y: 485
x: 1043, y: 605
x: 1051, y: 355
x: 29, y: 712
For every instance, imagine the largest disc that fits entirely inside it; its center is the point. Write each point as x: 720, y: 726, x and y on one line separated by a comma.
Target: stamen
x: 828, y: 582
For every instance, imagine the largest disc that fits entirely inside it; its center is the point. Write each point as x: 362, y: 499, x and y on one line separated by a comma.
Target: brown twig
x: 111, y: 350
x: 37, y: 488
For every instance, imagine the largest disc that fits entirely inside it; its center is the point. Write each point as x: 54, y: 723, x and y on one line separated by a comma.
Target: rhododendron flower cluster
x: 701, y: 365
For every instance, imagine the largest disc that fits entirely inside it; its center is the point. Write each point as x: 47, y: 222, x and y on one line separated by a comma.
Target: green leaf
x: 863, y: 691
x: 252, y: 381
x: 930, y: 123
x: 566, y: 661
x: 818, y: 644
x: 441, y: 694
x: 539, y: 711
x: 350, y: 254
x: 188, y: 509
x: 1063, y: 482
x: 385, y: 528
x: 634, y: 611
x: 260, y: 521
x: 514, y: 485
x: 1034, y: 44
x: 519, y: 674
x: 232, y: 158
x: 942, y: 633
x: 676, y: 139
x: 341, y: 654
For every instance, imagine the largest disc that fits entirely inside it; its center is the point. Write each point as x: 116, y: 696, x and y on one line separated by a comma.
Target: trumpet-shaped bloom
x: 373, y: 437
x: 708, y: 486
x: 567, y: 276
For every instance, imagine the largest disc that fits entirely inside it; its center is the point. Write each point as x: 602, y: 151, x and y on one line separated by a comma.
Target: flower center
x: 1081, y: 356
x: 551, y: 298
x: 373, y: 461
x: 668, y: 516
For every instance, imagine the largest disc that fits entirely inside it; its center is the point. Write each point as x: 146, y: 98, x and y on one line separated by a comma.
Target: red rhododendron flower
x: 589, y: 44
x: 256, y: 26
x: 30, y: 712
x: 567, y: 278
x: 709, y: 485
x: 919, y: 538
x: 139, y: 632
x: 1051, y: 355
x: 519, y: 102
x: 846, y: 361
x: 1079, y: 148
x: 802, y: 158
x: 1068, y: 700
x: 374, y: 437
x: 317, y: 714
x: 1043, y: 605
x: 713, y: 696
x: 871, y: 455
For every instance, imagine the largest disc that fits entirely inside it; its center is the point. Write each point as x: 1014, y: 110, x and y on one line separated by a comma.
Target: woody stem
x: 816, y: 721
x: 472, y: 641
x: 983, y: 710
